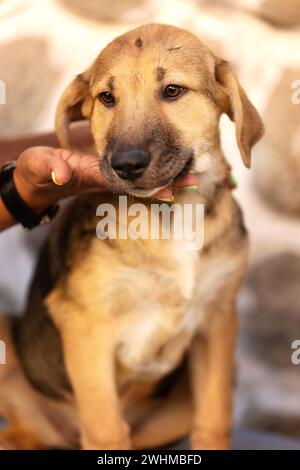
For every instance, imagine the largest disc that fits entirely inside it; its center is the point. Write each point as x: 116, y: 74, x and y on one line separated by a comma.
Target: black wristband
x: 15, y: 204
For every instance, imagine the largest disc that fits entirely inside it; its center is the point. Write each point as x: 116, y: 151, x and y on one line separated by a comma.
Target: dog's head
x: 154, y: 97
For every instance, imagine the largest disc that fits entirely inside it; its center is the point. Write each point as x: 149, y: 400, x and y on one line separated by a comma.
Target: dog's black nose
x: 131, y: 164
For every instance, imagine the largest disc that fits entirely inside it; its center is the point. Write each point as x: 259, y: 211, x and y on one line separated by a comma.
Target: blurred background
x: 44, y: 43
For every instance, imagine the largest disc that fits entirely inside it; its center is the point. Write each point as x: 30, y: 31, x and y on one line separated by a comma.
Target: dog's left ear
x: 76, y: 104
x: 249, y: 126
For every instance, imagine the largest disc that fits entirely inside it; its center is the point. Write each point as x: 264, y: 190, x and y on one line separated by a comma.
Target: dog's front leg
x: 89, y: 350
x: 212, y: 371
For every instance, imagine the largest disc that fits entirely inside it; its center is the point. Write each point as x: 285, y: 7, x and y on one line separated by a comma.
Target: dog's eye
x: 107, y: 98
x: 173, y: 91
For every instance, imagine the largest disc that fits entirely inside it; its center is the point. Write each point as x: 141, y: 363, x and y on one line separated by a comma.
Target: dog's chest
x: 156, y: 293
x: 168, y: 309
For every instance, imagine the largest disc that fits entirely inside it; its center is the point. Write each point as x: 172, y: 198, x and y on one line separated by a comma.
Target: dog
x: 137, y: 337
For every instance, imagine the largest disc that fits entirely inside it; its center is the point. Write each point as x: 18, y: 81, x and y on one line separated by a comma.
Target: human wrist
x: 6, y: 219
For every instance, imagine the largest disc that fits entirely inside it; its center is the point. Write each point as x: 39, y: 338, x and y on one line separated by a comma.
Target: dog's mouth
x: 137, y: 190
x: 187, y: 168
x: 144, y: 188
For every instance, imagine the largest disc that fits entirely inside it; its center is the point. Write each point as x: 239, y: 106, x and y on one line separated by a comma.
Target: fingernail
x: 55, y: 181
x: 187, y: 181
x: 192, y: 187
x: 166, y: 199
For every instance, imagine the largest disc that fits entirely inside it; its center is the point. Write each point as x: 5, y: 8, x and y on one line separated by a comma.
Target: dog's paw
x: 107, y: 438
x: 205, y: 440
x: 107, y: 445
x: 122, y: 443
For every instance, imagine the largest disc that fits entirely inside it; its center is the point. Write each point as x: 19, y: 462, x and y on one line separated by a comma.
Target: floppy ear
x: 76, y: 104
x: 249, y: 126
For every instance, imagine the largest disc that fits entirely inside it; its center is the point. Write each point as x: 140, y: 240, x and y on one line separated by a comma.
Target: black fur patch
x: 37, y: 340
x: 160, y: 74
x: 138, y: 43
x: 110, y: 83
x: 168, y: 383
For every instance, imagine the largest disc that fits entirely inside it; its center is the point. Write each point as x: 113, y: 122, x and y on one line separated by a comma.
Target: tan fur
x: 129, y: 311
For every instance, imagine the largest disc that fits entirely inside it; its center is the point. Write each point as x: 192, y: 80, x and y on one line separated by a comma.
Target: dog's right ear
x: 76, y: 104
x: 236, y: 104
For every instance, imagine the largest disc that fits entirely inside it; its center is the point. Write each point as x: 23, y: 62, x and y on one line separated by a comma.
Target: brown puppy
x: 142, y: 332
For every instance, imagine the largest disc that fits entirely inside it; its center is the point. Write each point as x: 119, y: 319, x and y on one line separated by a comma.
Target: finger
x: 89, y: 173
x: 47, y: 165
x: 165, y: 194
x: 189, y: 181
x: 85, y: 170
x: 59, y: 170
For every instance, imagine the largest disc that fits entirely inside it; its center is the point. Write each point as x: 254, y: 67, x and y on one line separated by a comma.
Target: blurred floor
x: 247, y: 439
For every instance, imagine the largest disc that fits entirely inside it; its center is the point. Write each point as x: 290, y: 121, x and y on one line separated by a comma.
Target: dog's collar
x: 230, y: 182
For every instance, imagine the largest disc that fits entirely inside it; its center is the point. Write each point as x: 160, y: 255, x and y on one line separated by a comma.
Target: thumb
x: 48, y: 165
x: 59, y: 169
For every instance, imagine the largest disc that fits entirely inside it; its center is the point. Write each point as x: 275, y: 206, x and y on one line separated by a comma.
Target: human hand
x: 44, y: 175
